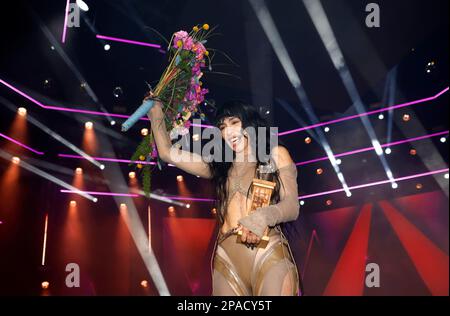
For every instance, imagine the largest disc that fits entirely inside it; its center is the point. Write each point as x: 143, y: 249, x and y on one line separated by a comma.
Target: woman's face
x: 232, y: 133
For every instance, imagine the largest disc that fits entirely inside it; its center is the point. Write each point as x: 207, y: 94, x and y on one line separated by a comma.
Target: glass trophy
x: 261, y: 195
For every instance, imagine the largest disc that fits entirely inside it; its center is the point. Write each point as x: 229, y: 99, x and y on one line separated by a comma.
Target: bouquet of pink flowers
x: 179, y: 89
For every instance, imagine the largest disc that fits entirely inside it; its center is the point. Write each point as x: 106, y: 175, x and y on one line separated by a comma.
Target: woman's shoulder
x: 280, y: 157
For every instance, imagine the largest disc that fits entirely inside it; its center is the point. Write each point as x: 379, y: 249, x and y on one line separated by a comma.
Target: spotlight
x: 419, y: 186
x: 52, y: 47
x: 113, y: 123
x: 348, y: 194
x: 22, y: 111
x: 144, y: 283
x: 381, y: 117
x: 326, y: 129
x: 117, y: 92
x: 302, y: 202
x: 329, y: 202
x: 267, y: 112
x: 388, y: 151
x: 144, y: 132
x: 443, y: 139
x: 45, y: 285
x: 95, y: 200
x: 88, y: 125
x: 171, y: 209
x: 82, y: 5
x: 73, y: 203
x: 107, y: 47
x: 413, y: 152
x: 78, y: 170
x: 188, y: 205
x: 180, y: 178
x: 48, y: 83
x: 446, y: 176
x: 430, y: 66
x: 406, y: 117
x: 15, y: 160
x: 132, y: 174
x: 338, y: 161
x: 102, y: 167
x: 394, y: 185
x: 196, y: 137
x: 308, y: 140
x: 319, y: 171
x: 123, y: 206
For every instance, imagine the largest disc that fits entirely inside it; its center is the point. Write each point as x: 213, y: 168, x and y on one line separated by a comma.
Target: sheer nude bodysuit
x: 238, y: 270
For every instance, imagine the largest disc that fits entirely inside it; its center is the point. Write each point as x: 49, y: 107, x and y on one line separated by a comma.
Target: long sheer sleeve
x: 190, y: 162
x: 286, y: 210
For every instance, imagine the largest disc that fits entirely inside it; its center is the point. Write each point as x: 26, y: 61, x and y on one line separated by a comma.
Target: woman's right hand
x: 156, y: 103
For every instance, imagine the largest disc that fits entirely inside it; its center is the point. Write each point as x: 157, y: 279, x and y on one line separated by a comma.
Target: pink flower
x: 201, y: 48
x: 196, y: 69
x: 154, y: 152
x: 181, y: 35
x: 188, y: 42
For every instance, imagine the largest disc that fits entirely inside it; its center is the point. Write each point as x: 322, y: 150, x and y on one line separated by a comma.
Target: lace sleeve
x: 286, y: 210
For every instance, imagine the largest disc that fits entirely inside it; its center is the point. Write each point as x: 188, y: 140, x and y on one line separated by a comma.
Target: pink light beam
x: 351, y: 117
x: 20, y: 144
x: 100, y: 193
x: 66, y: 13
x: 414, y: 176
x: 342, y: 119
x: 123, y: 40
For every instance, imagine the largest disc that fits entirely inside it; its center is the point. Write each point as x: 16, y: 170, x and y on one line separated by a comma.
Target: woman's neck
x: 245, y: 157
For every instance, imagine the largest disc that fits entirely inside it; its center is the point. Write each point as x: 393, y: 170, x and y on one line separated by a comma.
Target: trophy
x: 261, y: 195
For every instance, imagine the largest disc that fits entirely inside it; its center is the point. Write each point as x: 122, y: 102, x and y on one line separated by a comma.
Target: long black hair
x: 250, y: 118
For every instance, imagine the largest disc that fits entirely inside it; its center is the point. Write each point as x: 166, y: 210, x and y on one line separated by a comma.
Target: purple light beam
x: 66, y: 13
x: 123, y: 40
x: 346, y: 118
x: 49, y: 107
x: 100, y: 193
x: 109, y: 159
x: 297, y: 164
x: 419, y: 175
x: 357, y: 151
x: 184, y: 198
x: 63, y: 109
x: 20, y: 144
x: 304, y: 197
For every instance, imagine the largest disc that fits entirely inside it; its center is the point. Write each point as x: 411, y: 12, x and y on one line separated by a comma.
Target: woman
x: 243, y: 268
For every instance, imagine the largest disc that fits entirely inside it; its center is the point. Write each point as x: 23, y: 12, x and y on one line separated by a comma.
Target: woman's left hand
x: 249, y: 238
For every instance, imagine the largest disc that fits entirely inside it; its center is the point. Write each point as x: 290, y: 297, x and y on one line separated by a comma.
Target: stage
x: 358, y: 92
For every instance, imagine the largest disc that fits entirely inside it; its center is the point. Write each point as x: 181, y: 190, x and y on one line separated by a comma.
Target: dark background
x: 412, y: 34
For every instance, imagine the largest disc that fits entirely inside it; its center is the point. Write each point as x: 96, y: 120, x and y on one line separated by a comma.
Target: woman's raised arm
x: 185, y: 160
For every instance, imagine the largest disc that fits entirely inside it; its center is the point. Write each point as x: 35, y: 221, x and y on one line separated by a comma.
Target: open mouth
x: 234, y: 141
